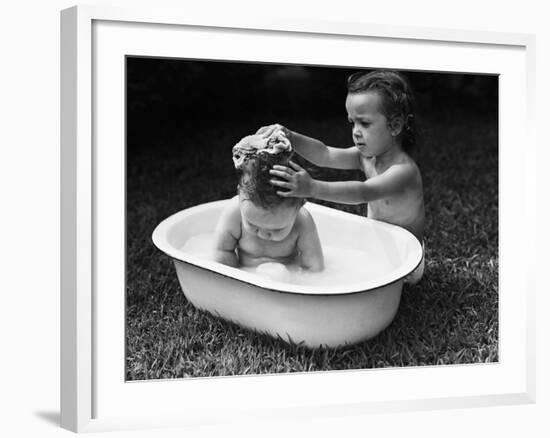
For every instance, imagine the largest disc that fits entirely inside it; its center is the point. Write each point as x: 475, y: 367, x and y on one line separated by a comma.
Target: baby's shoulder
x: 232, y: 208
x: 304, y: 220
x: 303, y: 213
x: 230, y: 219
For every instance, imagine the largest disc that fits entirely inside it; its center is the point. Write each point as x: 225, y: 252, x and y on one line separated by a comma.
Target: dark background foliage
x: 166, y: 97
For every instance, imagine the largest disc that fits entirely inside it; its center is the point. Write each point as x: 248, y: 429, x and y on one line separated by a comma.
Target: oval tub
x: 333, y: 315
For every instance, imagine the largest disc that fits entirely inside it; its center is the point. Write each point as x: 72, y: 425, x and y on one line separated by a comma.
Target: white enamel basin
x: 333, y: 315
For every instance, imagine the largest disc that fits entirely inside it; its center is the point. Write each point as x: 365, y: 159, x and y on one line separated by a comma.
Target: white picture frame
x: 94, y: 397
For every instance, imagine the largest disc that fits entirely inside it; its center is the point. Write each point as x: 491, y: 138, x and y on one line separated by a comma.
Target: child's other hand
x: 298, y: 182
x: 266, y: 131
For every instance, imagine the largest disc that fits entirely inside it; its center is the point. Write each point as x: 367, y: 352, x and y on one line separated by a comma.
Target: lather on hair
x: 250, y: 145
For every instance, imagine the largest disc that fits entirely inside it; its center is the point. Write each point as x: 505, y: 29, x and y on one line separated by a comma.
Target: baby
x: 381, y: 114
x: 258, y: 226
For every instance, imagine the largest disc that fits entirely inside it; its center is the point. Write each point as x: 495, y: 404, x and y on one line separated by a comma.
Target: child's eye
x: 360, y: 122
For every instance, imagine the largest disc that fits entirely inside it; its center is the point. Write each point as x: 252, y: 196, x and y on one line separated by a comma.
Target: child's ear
x: 396, y: 125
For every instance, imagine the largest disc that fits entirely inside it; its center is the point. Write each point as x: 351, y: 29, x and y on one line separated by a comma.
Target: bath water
x: 342, y: 265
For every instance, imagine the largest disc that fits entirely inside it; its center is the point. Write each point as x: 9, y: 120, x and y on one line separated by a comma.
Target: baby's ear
x: 396, y: 125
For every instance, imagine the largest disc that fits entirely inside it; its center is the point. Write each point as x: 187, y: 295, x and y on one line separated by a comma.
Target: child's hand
x: 266, y: 131
x: 298, y: 181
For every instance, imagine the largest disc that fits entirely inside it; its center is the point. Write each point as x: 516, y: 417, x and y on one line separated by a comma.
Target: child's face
x: 370, y: 129
x: 274, y: 224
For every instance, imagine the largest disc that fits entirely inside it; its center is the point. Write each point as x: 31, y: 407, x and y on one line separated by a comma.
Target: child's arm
x: 301, y: 185
x: 325, y: 156
x: 309, y: 245
x: 227, y: 234
x: 316, y: 151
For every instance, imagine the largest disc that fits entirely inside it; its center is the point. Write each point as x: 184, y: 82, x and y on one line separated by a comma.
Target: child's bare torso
x: 254, y: 251
x: 405, y: 208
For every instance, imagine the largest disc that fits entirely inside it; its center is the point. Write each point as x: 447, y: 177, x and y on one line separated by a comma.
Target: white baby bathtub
x: 316, y: 315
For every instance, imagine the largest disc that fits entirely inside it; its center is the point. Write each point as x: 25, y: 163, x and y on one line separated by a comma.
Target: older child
x: 380, y: 110
x: 258, y: 226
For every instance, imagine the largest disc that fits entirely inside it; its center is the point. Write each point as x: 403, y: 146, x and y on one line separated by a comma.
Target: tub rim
x: 409, y: 265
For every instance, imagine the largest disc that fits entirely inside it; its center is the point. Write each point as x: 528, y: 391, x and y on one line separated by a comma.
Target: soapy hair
x: 254, y: 156
x: 397, y: 99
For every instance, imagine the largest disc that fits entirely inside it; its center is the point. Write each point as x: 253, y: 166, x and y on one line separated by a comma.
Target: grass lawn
x: 450, y: 317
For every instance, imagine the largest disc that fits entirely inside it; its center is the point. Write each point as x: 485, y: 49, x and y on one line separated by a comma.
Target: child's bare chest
x: 388, y: 208
x: 255, y: 247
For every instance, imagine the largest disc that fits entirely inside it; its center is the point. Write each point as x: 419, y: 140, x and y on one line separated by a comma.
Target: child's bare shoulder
x: 230, y: 219
x: 304, y: 220
x: 407, y: 168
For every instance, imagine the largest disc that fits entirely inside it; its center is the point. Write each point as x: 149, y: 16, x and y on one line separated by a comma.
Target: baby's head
x: 263, y: 211
x: 397, y: 99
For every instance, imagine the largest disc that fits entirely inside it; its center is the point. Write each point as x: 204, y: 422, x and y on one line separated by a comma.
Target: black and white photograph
x: 286, y: 218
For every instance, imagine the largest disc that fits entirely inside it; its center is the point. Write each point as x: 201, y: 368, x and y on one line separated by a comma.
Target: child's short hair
x: 254, y: 177
x: 397, y: 98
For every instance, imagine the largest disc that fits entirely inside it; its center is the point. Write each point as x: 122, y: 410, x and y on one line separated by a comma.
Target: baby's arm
x: 316, y: 151
x: 300, y: 184
x: 227, y: 234
x: 309, y: 245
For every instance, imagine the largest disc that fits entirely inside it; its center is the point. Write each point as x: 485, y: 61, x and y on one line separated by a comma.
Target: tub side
x: 381, y: 240
x: 359, y: 233
x: 336, y: 228
x: 314, y: 320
